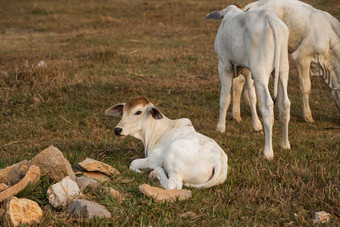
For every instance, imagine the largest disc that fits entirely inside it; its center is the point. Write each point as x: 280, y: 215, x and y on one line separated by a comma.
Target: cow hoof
x: 268, y: 155
x: 257, y: 127
x: 135, y: 169
x: 237, y: 118
x: 153, y: 176
x: 308, y: 118
x: 285, y: 146
x: 220, y: 129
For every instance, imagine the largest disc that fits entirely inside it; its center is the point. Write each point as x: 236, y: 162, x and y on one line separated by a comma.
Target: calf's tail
x: 219, y: 173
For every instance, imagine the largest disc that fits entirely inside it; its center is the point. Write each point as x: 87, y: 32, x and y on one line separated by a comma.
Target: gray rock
x: 87, y: 209
x: 84, y: 182
x: 14, y: 173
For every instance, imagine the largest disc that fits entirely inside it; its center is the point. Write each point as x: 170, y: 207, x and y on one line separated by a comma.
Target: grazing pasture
x: 99, y: 53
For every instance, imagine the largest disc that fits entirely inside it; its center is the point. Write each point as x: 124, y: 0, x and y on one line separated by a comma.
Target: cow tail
x: 220, y: 173
x: 273, y: 25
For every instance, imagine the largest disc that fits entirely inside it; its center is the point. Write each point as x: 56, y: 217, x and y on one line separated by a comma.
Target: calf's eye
x: 138, y: 112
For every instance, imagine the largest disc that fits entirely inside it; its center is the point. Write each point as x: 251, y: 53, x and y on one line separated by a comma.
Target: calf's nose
x: 118, y: 131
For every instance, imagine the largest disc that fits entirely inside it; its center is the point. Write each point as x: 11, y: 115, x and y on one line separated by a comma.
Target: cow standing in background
x: 314, y: 42
x: 256, y: 40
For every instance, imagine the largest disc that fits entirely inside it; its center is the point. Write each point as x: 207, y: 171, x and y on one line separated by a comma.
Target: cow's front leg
x: 138, y: 164
x: 226, y: 77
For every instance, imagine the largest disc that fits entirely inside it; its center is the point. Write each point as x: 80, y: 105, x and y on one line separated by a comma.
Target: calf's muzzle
x: 118, y: 131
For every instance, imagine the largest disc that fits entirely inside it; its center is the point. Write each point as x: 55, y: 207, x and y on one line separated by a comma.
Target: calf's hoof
x: 153, y: 176
x: 135, y: 169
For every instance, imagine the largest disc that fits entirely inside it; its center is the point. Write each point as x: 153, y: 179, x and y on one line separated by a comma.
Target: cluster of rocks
x: 67, y: 192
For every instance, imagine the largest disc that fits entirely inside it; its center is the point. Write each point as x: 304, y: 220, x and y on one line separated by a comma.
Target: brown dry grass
x: 99, y: 53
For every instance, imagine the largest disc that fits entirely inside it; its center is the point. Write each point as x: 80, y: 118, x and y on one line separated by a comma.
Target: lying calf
x: 174, y: 150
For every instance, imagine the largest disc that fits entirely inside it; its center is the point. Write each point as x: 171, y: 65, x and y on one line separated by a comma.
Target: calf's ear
x: 155, y: 113
x: 116, y: 110
x: 217, y: 15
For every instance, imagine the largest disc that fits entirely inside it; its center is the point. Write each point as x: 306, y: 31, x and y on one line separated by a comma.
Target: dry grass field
x: 99, y: 53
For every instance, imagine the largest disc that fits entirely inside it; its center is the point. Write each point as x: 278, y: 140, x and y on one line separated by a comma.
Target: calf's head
x: 134, y: 114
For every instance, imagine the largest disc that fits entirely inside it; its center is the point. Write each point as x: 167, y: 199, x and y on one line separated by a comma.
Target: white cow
x: 314, y: 41
x: 256, y: 40
x: 174, y: 150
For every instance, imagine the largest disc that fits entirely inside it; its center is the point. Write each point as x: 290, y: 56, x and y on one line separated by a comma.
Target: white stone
x: 322, y: 217
x: 61, y: 193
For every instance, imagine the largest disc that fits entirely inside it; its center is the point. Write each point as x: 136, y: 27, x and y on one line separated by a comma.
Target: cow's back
x: 244, y: 36
x: 295, y: 14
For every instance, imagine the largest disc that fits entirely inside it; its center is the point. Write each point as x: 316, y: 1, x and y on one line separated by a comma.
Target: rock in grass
x: 188, y: 214
x: 322, y: 217
x: 84, y: 182
x: 2, y: 211
x: 13, y: 174
x: 160, y: 194
x: 22, y: 212
x: 32, y: 177
x: 3, y: 187
x: 96, y: 176
x: 51, y: 162
x: 61, y: 193
x: 113, y: 193
x: 92, y: 165
x: 87, y: 209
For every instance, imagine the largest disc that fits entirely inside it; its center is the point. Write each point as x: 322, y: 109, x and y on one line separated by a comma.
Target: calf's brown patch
x: 136, y: 101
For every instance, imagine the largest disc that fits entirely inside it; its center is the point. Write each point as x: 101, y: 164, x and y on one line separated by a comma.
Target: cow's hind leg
x: 173, y: 182
x: 267, y: 113
x: 238, y: 83
x: 159, y: 173
x: 251, y: 93
x: 226, y: 77
x: 284, y: 108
